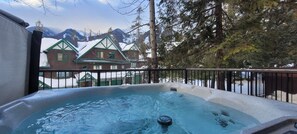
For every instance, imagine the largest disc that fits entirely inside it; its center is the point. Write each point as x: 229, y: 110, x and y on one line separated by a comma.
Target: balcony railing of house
x: 277, y: 84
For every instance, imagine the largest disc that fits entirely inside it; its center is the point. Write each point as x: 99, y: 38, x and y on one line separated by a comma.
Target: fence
x: 278, y: 84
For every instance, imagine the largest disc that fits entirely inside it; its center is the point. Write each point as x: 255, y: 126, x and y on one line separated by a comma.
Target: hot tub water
x: 136, y: 112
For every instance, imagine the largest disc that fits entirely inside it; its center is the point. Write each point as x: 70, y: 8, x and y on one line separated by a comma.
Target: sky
x: 84, y: 15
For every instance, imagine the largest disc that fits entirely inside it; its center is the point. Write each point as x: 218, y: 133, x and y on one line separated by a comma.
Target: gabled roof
x: 50, y: 43
x: 127, y: 47
x: 47, y: 43
x: 85, y: 47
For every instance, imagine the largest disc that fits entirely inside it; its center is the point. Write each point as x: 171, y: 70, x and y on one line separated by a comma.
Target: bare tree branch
x: 147, y: 24
x: 129, y: 12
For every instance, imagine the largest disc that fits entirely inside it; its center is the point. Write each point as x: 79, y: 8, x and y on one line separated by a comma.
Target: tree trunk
x: 219, y: 40
x: 153, y: 40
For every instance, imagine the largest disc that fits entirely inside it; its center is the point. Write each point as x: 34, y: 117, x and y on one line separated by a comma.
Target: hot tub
x: 137, y: 108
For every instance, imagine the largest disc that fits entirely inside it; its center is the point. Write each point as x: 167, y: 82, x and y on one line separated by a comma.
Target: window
x: 97, y: 67
x: 62, y: 57
x: 100, y: 54
x: 59, y: 57
x: 63, y: 74
x: 113, y: 67
x: 123, y: 66
x: 40, y: 73
x: 133, y: 65
x: 111, y: 55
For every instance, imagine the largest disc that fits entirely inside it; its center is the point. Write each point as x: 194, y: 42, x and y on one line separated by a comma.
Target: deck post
x: 229, y: 80
x: 186, y: 76
x: 34, y: 61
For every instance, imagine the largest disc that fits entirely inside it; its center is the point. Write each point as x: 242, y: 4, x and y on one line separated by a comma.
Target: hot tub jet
x: 165, y: 121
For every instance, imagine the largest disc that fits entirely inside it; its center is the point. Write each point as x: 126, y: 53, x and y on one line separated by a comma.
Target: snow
x: 84, y: 47
x: 47, y: 43
x: 59, y: 83
x: 141, y: 57
x: 289, y: 65
x: 103, y: 75
x: 129, y: 39
x: 281, y: 96
x: 126, y: 47
x: 122, y: 45
x: 171, y: 45
x: 149, y: 53
x: 147, y: 40
x: 43, y: 62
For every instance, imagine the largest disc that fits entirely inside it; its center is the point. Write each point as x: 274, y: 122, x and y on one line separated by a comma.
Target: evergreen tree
x: 227, y: 33
x: 137, y: 25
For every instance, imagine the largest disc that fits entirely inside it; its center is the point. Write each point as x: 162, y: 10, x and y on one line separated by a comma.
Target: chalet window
x: 63, y: 74
x: 113, y: 67
x: 40, y: 73
x: 133, y: 65
x: 100, y: 54
x: 62, y: 57
x: 97, y: 67
x: 111, y: 55
x: 59, y: 57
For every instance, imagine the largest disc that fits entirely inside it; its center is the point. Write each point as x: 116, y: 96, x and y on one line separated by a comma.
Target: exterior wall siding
x: 132, y: 54
x: 72, y: 63
x: 92, y: 54
x: 55, y: 64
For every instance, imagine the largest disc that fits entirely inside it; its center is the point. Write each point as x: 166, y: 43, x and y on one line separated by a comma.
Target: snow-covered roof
x: 148, y: 53
x: 122, y: 45
x: 142, y: 58
x: 47, y: 43
x: 129, y: 39
x: 147, y: 40
x: 43, y: 62
x: 56, y: 83
x: 126, y: 47
x: 84, y: 47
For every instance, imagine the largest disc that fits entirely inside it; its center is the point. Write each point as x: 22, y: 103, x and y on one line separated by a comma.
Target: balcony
x: 276, y: 84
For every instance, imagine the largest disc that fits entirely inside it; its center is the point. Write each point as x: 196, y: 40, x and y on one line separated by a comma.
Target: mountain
x: 47, y: 31
x: 69, y: 33
x: 120, y: 35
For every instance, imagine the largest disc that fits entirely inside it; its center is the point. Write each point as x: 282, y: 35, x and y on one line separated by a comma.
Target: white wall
x: 14, y: 46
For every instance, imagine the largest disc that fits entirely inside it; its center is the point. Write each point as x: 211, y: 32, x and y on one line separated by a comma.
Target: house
x: 57, y: 54
x: 101, y: 53
x: 132, y: 53
x: 60, y: 53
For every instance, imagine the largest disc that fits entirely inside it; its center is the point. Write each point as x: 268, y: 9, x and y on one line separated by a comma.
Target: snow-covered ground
x: 73, y: 82
x: 59, y: 83
x: 281, y: 96
x: 243, y: 87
